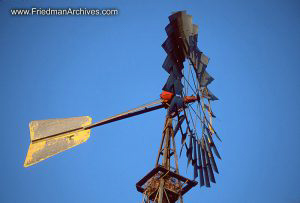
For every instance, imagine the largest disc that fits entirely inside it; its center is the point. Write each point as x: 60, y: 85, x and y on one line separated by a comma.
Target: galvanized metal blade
x: 216, y: 134
x: 210, y: 171
x: 193, y: 38
x: 194, y: 162
x: 209, y: 134
x: 183, y: 140
x: 216, y: 151
x: 178, y: 126
x: 169, y: 86
x: 173, y: 84
x: 207, y: 143
x: 204, y: 163
x: 168, y: 64
x: 213, y: 163
x: 211, y: 96
x: 205, y: 79
x: 189, y: 152
x: 176, y: 104
x: 200, y: 164
x: 172, y: 47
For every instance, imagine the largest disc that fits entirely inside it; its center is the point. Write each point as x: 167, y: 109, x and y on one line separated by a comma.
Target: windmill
x: 187, y: 101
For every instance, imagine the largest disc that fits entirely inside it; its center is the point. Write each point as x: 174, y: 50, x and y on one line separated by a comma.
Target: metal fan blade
x: 170, y: 29
x: 183, y: 140
x: 195, y: 158
x: 193, y: 58
x: 207, y: 146
x: 184, y: 30
x: 207, y: 143
x: 217, y: 136
x: 181, y: 26
x: 213, y: 163
x: 211, y: 96
x: 200, y: 165
x: 176, y: 20
x: 176, y: 15
x: 173, y: 47
x: 212, y: 131
x: 216, y: 151
x: 199, y: 66
x: 205, y: 79
x: 195, y: 170
x: 177, y: 70
x: 202, y: 61
x: 176, y: 104
x: 189, y: 152
x: 168, y: 45
x: 178, y: 86
x: 207, y: 183
x: 206, y: 177
x: 209, y: 134
x: 211, y: 144
x: 180, y: 121
x: 170, y: 83
x: 187, y: 21
x: 193, y: 38
x: 210, y: 171
x: 168, y: 64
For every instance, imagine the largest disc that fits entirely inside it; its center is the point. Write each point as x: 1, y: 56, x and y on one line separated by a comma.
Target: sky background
x: 58, y: 67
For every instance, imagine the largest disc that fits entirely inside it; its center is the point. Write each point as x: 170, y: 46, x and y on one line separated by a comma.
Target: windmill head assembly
x: 187, y: 101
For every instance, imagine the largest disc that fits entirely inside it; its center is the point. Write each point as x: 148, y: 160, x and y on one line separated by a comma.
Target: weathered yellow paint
x: 43, y: 149
x: 210, y: 125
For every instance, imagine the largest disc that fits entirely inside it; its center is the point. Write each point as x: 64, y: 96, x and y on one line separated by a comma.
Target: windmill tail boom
x: 52, y: 136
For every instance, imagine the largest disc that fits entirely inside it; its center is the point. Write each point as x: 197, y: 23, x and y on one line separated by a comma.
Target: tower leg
x: 164, y: 184
x: 168, y: 135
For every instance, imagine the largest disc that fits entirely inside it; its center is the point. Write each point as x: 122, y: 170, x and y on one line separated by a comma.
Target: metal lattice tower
x: 164, y: 184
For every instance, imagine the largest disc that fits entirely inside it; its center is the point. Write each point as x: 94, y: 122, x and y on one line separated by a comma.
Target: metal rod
x: 166, y: 195
x: 121, y: 117
x: 128, y: 114
x: 161, y: 144
x: 175, y: 154
x: 161, y: 190
x: 165, y: 162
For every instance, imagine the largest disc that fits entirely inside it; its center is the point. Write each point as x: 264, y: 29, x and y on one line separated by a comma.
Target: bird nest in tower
x: 173, y: 184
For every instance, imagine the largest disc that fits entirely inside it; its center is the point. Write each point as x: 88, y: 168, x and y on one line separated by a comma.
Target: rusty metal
x: 175, y: 184
x: 163, y: 183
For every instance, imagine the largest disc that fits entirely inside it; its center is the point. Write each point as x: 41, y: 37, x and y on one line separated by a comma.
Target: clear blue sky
x: 56, y: 67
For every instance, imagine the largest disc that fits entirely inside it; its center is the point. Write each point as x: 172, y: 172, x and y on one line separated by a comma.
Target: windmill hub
x: 168, y: 96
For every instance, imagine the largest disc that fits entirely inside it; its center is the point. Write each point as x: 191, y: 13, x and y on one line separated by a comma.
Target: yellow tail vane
x: 50, y: 137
